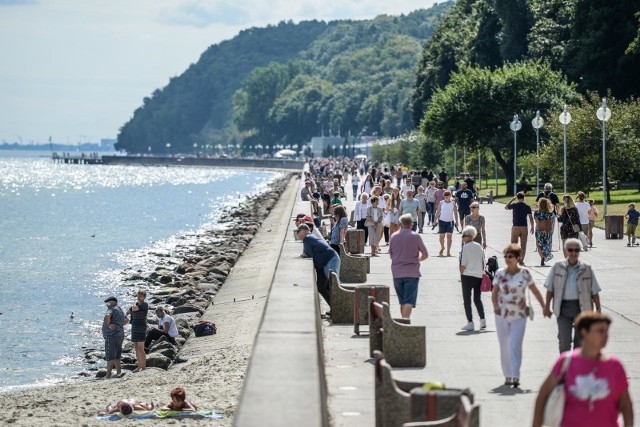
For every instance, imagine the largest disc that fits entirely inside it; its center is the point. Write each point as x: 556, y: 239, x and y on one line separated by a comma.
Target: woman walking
x: 385, y: 221
x: 477, y: 221
x: 595, y: 384
x: 360, y: 214
x: 421, y: 198
x: 339, y: 230
x: 543, y: 217
x: 510, y: 286
x: 392, y: 209
x: 431, y: 201
x: 570, y: 219
x: 593, y: 216
x: 447, y: 216
x: 138, y: 313
x: 471, y: 270
x: 367, y: 185
x: 375, y: 216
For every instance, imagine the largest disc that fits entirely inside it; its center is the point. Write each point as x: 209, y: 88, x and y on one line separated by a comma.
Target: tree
x: 476, y: 107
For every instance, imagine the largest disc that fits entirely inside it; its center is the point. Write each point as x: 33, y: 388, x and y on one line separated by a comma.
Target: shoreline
x: 198, y: 273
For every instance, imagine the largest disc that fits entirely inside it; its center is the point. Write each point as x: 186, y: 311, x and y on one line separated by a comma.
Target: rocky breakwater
x: 187, y: 280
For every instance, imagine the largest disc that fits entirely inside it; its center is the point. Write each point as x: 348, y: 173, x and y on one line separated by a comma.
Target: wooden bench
x: 353, y: 269
x: 488, y: 198
x: 398, y: 403
x: 404, y: 345
x: 342, y: 301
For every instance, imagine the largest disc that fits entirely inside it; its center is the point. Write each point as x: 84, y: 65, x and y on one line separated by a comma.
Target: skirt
x: 374, y: 235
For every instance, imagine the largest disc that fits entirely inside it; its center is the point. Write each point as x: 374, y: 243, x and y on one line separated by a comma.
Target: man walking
x: 113, y: 334
x: 325, y: 259
x: 464, y: 198
x: 573, y: 288
x: 521, y: 211
x: 412, y: 207
x: 406, y: 250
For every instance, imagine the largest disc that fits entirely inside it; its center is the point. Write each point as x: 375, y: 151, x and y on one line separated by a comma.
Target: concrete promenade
x: 471, y: 359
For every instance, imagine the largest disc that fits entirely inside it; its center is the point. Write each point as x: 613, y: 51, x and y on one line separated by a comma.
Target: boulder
x: 188, y: 308
x: 157, y: 360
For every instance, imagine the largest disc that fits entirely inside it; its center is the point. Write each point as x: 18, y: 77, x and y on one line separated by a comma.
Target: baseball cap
x: 111, y: 299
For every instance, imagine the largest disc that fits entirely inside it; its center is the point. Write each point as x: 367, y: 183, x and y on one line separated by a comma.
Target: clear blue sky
x: 76, y: 70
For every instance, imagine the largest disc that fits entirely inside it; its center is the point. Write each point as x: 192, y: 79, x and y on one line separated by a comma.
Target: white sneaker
x: 468, y: 327
x: 483, y: 324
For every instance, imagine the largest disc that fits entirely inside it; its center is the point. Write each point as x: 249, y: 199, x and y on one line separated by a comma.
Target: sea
x: 67, y: 234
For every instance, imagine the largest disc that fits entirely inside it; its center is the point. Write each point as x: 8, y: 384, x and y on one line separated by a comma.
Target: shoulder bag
x: 554, y: 406
x: 576, y: 227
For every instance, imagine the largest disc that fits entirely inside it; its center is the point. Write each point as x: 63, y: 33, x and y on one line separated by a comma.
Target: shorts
x: 407, y: 289
x: 113, y: 347
x: 631, y: 228
x: 445, y: 227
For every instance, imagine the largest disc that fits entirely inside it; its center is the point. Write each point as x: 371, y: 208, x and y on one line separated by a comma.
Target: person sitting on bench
x: 166, y: 328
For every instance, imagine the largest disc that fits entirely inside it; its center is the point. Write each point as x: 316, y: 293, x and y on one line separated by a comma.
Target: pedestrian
x: 464, y: 198
x: 632, y: 222
x: 339, y: 231
x: 386, y: 219
x: 407, y: 251
x: 509, y: 298
x: 421, y: 198
x: 570, y: 219
x: 544, y: 222
x: 583, y: 211
x: 431, y: 201
x: 355, y: 183
x: 412, y: 207
x: 325, y: 259
x: 367, y: 184
x: 167, y: 328
x: 593, y: 216
x: 113, y: 334
x: 447, y: 216
x: 478, y: 222
x: 555, y: 202
x: 138, y: 312
x: 521, y: 211
x: 392, y: 208
x: 444, y: 177
x: 406, y: 187
x: 595, y: 384
x: 375, y: 216
x: 360, y: 214
x: 572, y: 286
x: 471, y: 271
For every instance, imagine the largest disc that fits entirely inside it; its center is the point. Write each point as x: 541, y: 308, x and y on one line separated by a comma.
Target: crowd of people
x: 395, y: 204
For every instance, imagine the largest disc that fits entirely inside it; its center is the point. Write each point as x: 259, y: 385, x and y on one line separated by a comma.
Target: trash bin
x: 614, y: 226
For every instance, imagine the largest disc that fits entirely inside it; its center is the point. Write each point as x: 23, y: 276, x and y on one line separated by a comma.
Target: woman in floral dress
x: 509, y: 299
x: 544, y: 229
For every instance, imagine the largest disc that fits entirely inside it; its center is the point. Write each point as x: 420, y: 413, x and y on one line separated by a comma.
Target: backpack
x: 204, y: 328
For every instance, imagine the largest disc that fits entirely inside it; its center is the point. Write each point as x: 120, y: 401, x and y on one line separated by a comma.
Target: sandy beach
x: 215, y: 368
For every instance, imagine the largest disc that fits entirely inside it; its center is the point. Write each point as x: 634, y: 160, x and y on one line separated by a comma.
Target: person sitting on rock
x: 179, y: 401
x: 126, y: 407
x: 166, y: 328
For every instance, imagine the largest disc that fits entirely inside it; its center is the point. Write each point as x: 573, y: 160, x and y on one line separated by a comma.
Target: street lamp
x: 195, y: 149
x: 537, y: 123
x: 515, y: 126
x: 565, y: 119
x: 604, y: 114
x: 168, y: 148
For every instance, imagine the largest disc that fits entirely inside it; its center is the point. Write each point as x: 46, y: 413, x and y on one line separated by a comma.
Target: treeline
x: 491, y: 59
x: 284, y: 84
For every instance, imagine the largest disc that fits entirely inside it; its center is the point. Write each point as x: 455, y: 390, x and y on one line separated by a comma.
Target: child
x: 632, y: 222
x: 179, y: 401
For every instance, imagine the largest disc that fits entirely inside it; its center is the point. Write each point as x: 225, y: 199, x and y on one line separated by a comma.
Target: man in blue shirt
x: 464, y: 198
x: 521, y: 211
x: 113, y: 334
x: 325, y: 259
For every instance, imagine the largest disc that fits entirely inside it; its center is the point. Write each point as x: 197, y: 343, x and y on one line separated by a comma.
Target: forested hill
x: 284, y: 83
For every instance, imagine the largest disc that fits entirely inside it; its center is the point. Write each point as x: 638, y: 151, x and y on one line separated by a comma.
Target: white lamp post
x: 565, y: 119
x: 168, y: 148
x: 604, y: 114
x: 537, y: 123
x: 515, y: 126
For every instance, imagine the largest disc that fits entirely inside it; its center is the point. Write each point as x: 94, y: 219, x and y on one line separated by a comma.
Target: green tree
x: 476, y: 107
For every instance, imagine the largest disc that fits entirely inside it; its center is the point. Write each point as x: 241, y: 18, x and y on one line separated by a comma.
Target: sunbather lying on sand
x: 179, y: 402
x: 126, y: 407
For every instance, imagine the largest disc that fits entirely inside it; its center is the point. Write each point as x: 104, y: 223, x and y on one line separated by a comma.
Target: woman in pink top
x: 595, y: 384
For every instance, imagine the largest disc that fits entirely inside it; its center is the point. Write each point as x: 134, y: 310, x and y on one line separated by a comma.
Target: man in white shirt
x: 166, y: 328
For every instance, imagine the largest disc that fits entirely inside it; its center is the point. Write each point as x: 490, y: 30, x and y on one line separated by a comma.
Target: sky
x: 76, y: 70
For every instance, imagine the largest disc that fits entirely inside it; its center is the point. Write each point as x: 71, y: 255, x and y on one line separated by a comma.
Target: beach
x: 215, y: 366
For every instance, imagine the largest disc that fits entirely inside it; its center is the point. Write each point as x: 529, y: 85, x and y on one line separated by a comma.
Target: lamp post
x: 515, y: 126
x: 195, y: 149
x: 604, y: 114
x: 565, y: 119
x: 479, y: 174
x: 168, y: 149
x: 537, y: 123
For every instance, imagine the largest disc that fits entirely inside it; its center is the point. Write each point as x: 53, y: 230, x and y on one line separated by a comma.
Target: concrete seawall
x: 204, y: 161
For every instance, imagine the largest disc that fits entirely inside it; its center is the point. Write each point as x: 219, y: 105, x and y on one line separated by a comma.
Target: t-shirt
x: 355, y: 179
x: 583, y: 211
x: 404, y: 190
x: 553, y: 197
x: 335, y: 231
x: 472, y: 258
x: 410, y: 207
x: 404, y: 248
x: 422, y: 201
x: 173, y: 328
x: 464, y: 198
x: 592, y: 389
x: 438, y: 195
x: 431, y: 194
x: 470, y: 183
x: 117, y: 318
x: 305, y: 194
x: 512, y: 298
x: 446, y: 211
x: 317, y: 249
x: 520, y: 212
x: 633, y: 216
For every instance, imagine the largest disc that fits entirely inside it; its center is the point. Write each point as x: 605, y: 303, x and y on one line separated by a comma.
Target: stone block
x: 353, y: 269
x: 380, y: 293
x: 342, y: 301
x: 355, y: 241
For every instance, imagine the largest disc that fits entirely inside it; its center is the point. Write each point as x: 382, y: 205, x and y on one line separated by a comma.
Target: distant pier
x: 77, y: 158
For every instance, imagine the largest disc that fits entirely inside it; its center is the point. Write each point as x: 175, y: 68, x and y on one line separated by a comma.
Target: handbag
x: 583, y: 239
x: 554, y: 406
x: 485, y: 286
x: 576, y: 227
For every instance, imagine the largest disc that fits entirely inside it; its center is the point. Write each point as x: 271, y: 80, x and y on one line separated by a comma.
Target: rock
x: 184, y: 332
x: 101, y: 373
x: 182, y: 323
x: 208, y: 287
x: 188, y: 308
x: 165, y: 279
x: 160, y: 345
x: 157, y: 360
x: 169, y: 353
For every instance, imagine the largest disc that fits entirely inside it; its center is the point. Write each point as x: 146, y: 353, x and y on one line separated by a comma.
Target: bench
x: 398, y: 403
x: 342, y: 301
x: 353, y: 269
x: 488, y: 198
x: 379, y: 293
x: 355, y: 240
x: 404, y: 345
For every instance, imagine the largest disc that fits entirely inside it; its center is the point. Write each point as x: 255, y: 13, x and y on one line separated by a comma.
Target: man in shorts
x: 113, y: 334
x: 632, y: 222
x: 521, y: 211
x: 406, y: 250
x: 464, y: 198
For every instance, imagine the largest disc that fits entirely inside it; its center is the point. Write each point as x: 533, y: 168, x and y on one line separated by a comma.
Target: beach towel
x: 145, y: 415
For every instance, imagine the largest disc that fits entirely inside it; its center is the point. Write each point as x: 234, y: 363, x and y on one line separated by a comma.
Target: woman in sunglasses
x: 509, y: 297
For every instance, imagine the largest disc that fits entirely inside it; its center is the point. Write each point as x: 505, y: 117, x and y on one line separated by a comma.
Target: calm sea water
x: 66, y: 234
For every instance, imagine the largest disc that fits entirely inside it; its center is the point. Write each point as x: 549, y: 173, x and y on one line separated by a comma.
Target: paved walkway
x: 471, y: 359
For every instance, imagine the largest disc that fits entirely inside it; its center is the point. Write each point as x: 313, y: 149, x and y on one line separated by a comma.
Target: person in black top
x: 521, y: 211
x: 464, y: 198
x: 471, y: 183
x: 443, y: 177
x: 549, y: 194
x: 138, y: 312
x: 325, y: 259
